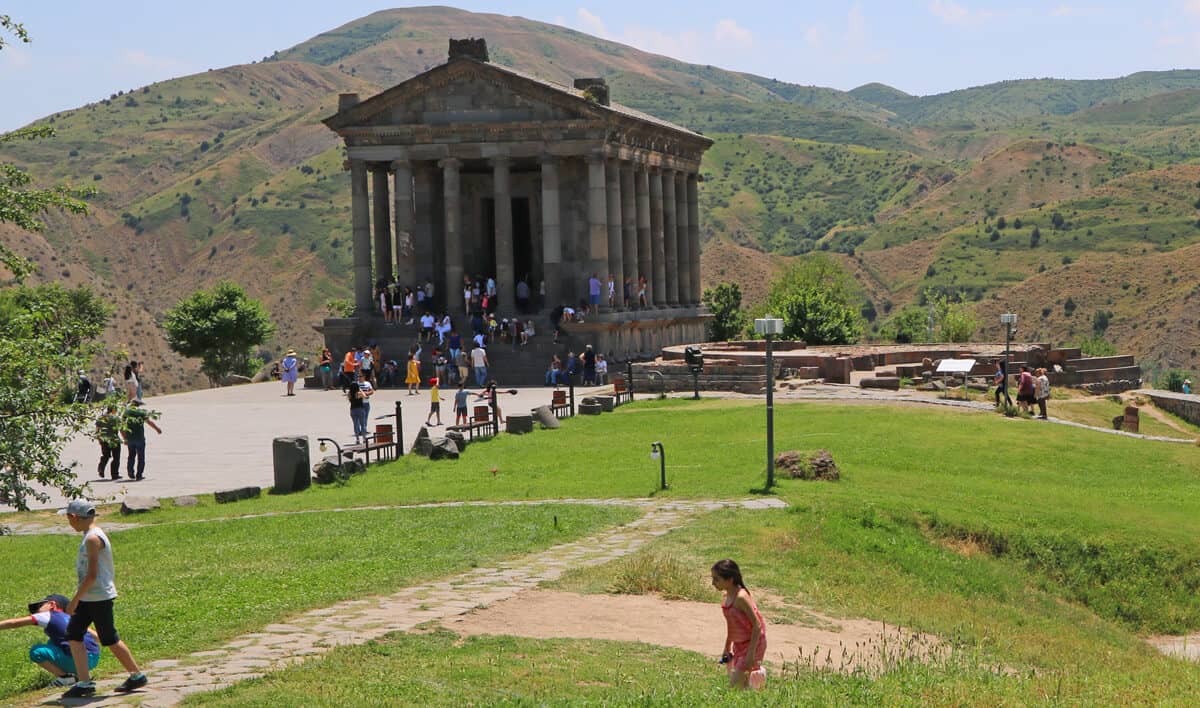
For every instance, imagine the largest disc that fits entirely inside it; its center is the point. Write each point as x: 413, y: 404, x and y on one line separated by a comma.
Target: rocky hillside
x: 229, y: 174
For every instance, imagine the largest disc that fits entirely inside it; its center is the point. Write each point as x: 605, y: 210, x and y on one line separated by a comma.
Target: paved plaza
x: 221, y: 438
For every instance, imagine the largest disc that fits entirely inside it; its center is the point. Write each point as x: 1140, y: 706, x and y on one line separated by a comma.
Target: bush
x: 652, y: 572
x: 1097, y: 346
x: 725, y: 303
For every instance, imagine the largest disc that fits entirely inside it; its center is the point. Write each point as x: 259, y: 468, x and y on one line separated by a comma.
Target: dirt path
x: 694, y: 626
x: 357, y: 621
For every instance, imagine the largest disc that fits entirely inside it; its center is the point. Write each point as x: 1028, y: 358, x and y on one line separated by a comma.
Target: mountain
x: 229, y: 174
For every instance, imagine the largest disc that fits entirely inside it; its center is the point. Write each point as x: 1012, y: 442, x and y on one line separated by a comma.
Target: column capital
x: 401, y: 163
x: 450, y: 163
x: 549, y: 159
x: 500, y: 161
x: 596, y: 157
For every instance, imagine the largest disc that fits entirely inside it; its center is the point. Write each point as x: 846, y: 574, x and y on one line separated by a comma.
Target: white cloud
x: 590, y: 23
x: 686, y: 44
x: 1191, y: 7
x: 143, y: 60
x: 814, y: 36
x: 959, y: 15
x: 856, y: 26
x: 730, y: 32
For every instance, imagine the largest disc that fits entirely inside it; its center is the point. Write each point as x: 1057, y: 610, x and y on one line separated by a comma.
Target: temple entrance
x: 522, y: 239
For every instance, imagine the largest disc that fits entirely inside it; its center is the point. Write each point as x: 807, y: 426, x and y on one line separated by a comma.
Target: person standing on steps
x: 479, y: 362
x: 136, y: 420
x: 93, y: 603
x: 594, y: 292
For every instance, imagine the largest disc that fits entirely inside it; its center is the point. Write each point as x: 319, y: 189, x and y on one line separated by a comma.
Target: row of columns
x: 642, y: 221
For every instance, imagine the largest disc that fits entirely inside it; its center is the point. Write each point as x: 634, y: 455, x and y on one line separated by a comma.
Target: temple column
x: 683, y: 246
x: 629, y: 242
x: 506, y: 281
x: 402, y: 197
x: 597, y: 212
x: 693, y: 207
x: 658, y: 291
x: 451, y: 243
x: 616, y: 250
x: 381, y: 199
x: 670, y: 239
x: 360, y: 220
x: 551, y: 234
x: 645, y: 262
x: 423, y: 202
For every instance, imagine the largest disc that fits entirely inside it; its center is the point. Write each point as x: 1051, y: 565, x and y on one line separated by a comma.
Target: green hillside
x: 229, y: 173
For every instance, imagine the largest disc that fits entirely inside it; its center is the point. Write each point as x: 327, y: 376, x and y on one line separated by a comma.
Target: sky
x: 85, y: 50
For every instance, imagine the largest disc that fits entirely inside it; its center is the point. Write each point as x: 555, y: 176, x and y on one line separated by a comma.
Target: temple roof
x: 361, y: 111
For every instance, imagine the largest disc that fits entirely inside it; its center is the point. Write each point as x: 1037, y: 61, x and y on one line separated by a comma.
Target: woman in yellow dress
x: 412, y: 376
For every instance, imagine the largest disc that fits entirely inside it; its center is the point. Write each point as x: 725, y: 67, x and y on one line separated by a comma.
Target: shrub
x: 650, y: 572
x: 1172, y: 380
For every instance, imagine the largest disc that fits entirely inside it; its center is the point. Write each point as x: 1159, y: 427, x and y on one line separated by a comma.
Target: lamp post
x: 1007, y: 319
x: 769, y: 327
x: 657, y: 452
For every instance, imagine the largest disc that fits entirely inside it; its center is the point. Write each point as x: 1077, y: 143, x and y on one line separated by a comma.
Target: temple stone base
x: 621, y: 336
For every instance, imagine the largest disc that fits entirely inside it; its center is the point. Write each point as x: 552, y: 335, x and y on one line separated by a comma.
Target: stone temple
x: 477, y: 169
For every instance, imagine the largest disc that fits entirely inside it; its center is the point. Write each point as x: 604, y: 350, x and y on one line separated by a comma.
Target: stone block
x: 291, y: 463
x: 139, y: 505
x: 546, y: 417
x: 818, y: 465
x: 460, y: 440
x: 607, y: 403
x: 891, y: 384
x: 519, y: 424
x: 590, y: 408
x: 422, y: 444
x: 186, y: 501
x: 232, y: 495
x: 443, y: 449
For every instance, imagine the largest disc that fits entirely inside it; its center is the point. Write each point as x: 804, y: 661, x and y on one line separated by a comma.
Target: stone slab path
x: 357, y: 621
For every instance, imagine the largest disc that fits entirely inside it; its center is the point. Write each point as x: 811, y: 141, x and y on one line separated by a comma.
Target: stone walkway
x: 357, y: 621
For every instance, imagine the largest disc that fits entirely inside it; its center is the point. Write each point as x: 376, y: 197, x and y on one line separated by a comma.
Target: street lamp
x: 1009, y: 320
x: 657, y: 452
x: 769, y: 327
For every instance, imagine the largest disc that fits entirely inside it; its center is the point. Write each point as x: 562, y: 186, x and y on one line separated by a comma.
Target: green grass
x: 191, y: 586
x: 437, y: 668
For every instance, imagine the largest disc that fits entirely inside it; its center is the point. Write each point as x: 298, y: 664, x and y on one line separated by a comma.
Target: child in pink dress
x: 746, y: 633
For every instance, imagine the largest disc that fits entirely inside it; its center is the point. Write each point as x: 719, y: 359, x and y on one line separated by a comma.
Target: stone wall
x: 719, y: 375
x: 1181, y: 404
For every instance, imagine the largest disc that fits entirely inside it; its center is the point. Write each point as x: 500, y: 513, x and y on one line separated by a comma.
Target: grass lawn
x: 187, y: 587
x: 1040, y: 548
x: 1099, y: 412
x: 438, y: 668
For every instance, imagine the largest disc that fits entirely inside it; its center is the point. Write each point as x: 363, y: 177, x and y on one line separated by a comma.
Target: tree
x: 725, y: 304
x: 813, y: 299
x: 46, y: 334
x: 220, y: 326
x: 955, y: 321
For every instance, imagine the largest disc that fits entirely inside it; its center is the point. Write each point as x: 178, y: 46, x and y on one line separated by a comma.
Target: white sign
x: 955, y: 366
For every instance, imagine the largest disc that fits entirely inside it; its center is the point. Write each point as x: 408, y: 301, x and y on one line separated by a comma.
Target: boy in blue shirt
x: 54, y: 655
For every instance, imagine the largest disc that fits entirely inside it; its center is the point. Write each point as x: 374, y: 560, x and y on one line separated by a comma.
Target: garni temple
x: 478, y: 170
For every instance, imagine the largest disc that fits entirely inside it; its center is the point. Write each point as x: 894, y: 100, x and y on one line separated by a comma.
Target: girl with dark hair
x: 746, y: 633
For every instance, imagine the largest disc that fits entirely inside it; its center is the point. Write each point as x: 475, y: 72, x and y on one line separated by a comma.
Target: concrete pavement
x: 221, y: 438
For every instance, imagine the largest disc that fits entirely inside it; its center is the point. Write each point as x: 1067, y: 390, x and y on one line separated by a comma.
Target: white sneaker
x: 64, y: 681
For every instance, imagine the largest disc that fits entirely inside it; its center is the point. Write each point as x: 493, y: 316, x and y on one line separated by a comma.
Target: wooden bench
x: 482, y: 421
x: 559, y: 404
x: 384, y: 449
x: 621, y: 392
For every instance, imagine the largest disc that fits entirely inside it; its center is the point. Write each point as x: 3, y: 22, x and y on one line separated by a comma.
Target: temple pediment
x: 468, y: 92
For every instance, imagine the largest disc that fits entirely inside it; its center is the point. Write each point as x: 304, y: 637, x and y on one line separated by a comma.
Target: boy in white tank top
x: 93, y: 603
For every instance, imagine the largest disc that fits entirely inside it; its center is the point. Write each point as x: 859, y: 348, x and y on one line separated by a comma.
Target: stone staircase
x: 510, y: 365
